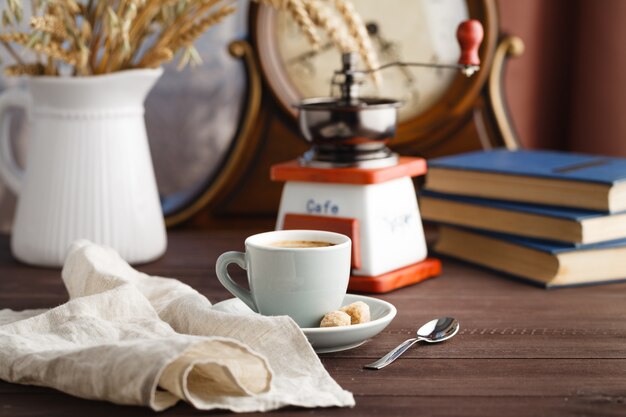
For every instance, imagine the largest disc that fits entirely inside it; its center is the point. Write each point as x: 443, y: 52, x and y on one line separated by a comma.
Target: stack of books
x: 555, y: 218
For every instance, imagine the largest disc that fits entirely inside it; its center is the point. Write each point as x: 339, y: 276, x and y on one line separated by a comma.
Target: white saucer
x: 333, y: 339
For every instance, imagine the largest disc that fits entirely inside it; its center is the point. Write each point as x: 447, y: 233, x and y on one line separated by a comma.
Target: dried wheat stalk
x: 156, y: 58
x: 49, y: 24
x: 183, y: 33
x: 358, y: 31
x: 52, y: 49
x: 191, y: 33
x: 24, y: 69
x: 97, y: 36
x: 322, y: 16
x: 298, y: 12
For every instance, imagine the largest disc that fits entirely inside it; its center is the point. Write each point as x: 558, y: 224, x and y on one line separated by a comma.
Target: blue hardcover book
x: 575, y: 226
x: 540, y: 177
x: 546, y: 263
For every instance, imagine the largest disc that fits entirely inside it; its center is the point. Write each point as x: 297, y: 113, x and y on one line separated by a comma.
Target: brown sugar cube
x: 335, y: 318
x: 359, y: 312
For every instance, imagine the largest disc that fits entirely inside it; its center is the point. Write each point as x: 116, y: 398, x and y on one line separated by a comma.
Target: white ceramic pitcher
x: 88, y: 169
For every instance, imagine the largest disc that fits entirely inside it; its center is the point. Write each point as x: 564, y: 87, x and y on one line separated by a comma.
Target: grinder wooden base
x: 412, y: 274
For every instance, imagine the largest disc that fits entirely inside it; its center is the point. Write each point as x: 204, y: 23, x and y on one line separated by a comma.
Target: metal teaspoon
x: 434, y: 331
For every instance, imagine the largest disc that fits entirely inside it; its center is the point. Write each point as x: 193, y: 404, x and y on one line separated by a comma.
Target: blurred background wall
x: 568, y: 90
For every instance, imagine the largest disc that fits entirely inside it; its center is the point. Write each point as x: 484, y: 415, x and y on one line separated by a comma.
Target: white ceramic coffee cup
x: 303, y: 283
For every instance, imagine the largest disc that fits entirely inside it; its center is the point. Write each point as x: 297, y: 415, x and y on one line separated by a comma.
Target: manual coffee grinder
x: 350, y: 182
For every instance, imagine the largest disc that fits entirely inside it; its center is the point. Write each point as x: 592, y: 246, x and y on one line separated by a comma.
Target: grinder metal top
x: 348, y: 131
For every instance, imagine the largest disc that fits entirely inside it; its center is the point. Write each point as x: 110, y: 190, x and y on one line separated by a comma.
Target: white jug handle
x: 10, y: 172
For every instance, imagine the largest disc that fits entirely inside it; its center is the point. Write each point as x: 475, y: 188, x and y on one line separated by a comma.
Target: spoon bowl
x: 434, y: 331
x: 438, y: 330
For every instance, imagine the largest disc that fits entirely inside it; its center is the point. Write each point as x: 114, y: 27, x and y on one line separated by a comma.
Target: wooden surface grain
x: 521, y: 351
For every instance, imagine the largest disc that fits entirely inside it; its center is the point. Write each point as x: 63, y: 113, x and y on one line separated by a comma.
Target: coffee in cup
x: 300, y: 273
x: 300, y: 244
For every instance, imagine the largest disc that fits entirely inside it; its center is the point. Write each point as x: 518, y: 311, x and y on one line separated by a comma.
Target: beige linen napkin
x: 130, y: 338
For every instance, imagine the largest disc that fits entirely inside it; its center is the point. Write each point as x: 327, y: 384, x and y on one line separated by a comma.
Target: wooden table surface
x: 521, y: 350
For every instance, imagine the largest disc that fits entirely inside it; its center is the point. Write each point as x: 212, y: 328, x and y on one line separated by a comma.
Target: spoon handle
x: 393, y: 355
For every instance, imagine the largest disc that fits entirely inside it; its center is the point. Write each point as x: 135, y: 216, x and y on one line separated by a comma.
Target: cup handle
x: 10, y: 171
x: 221, y: 269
